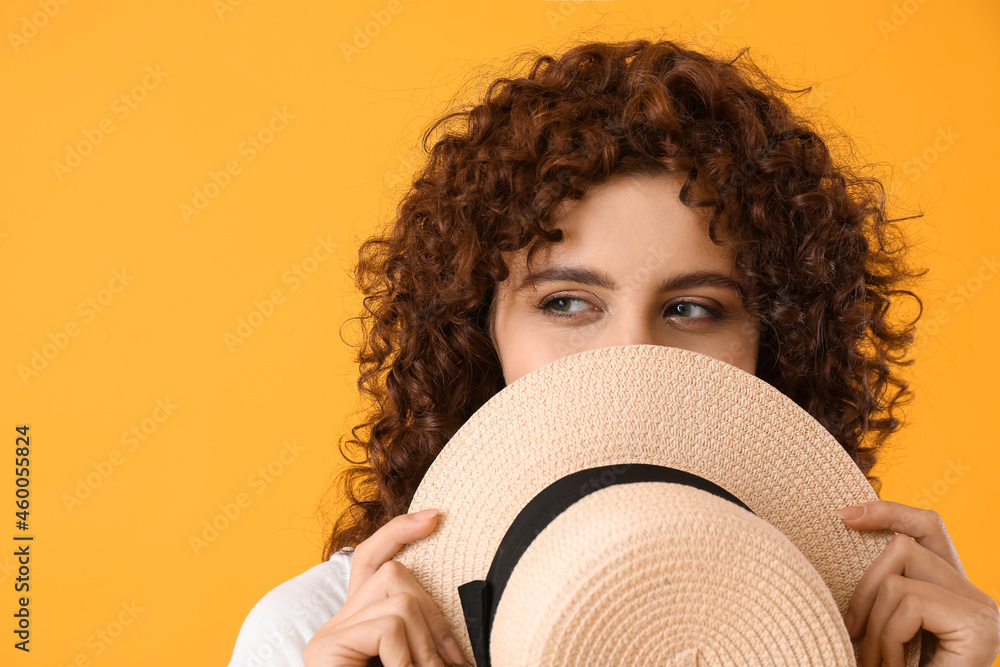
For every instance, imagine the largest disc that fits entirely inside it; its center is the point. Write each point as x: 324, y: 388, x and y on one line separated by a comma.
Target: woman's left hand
x: 918, y: 583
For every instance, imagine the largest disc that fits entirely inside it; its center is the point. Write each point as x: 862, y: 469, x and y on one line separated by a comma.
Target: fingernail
x: 424, y: 515
x: 450, y: 645
x: 852, y: 512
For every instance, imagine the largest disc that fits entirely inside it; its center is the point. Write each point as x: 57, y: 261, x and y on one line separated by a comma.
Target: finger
x: 904, y: 557
x: 877, y: 648
x: 905, y: 605
x: 925, y: 526
x: 384, y: 637
x: 393, y: 579
x: 418, y: 635
x: 383, y: 544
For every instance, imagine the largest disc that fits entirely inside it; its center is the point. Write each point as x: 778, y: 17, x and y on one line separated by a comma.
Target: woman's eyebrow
x: 585, y: 276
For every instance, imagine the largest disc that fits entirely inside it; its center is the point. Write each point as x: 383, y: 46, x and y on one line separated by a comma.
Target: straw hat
x: 644, y: 504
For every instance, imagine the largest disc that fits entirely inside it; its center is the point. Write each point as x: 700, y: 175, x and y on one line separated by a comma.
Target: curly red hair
x: 810, y: 238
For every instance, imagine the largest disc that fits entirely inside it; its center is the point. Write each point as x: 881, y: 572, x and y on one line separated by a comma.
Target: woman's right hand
x: 386, y: 613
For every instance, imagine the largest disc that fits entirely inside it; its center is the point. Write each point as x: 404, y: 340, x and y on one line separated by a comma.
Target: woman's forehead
x: 648, y: 228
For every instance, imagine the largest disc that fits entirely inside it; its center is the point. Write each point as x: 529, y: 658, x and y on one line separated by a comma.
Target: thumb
x: 385, y: 542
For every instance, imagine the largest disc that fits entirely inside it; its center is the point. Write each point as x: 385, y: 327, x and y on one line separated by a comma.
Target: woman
x: 621, y: 193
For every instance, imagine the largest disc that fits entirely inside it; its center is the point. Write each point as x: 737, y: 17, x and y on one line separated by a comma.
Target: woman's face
x: 635, y: 266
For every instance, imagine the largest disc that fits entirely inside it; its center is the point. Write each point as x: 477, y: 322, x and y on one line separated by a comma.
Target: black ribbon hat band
x: 480, y: 598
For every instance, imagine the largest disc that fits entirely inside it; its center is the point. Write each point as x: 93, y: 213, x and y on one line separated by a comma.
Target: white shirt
x: 279, y: 626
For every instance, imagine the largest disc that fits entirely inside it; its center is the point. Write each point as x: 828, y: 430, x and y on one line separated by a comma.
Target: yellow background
x: 896, y: 76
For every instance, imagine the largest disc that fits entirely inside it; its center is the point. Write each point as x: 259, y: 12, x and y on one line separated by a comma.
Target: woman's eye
x: 686, y: 308
x: 555, y: 306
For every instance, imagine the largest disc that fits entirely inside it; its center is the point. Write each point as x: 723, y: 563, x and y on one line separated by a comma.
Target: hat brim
x: 639, y: 404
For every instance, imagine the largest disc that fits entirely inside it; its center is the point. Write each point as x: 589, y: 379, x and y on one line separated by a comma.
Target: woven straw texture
x: 697, y: 578
x: 639, y: 404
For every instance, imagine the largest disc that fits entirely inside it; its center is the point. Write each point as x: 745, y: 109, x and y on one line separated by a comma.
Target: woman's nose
x: 632, y: 330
